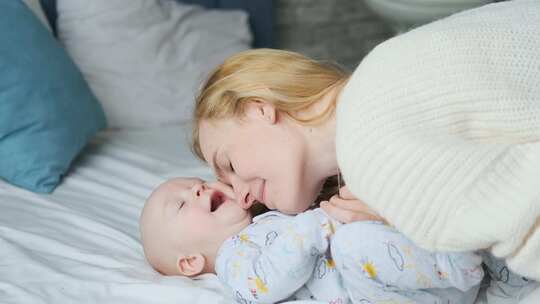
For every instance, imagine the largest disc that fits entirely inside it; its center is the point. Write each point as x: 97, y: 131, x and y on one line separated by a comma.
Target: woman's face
x: 262, y: 157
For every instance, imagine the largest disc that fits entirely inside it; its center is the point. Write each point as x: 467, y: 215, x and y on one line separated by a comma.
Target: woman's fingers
x: 347, y: 216
x: 349, y: 210
x: 350, y: 204
x: 345, y: 193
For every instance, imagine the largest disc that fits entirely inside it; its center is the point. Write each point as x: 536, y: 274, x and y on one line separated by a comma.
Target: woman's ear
x: 262, y: 110
x: 190, y: 265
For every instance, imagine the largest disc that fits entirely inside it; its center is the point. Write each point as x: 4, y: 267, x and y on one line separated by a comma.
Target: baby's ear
x: 190, y: 265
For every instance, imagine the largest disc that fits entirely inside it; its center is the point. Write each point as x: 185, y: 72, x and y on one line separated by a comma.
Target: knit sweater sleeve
x: 438, y: 130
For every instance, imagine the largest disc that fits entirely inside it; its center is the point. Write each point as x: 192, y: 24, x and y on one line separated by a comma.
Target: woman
x: 437, y: 130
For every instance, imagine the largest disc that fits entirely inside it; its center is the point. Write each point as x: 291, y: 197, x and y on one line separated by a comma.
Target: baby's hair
x: 290, y: 81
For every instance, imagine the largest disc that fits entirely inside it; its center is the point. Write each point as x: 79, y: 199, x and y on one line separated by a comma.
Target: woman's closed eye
x: 231, y: 167
x: 180, y: 205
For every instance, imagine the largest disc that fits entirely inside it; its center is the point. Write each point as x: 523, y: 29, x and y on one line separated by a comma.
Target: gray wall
x: 340, y: 30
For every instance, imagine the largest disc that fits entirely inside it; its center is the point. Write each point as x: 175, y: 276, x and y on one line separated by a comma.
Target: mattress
x: 81, y: 244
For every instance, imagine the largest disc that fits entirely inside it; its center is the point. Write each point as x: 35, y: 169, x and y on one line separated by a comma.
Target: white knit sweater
x: 438, y: 130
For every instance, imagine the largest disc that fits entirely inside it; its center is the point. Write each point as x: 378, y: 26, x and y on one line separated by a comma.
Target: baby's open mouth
x: 217, y: 199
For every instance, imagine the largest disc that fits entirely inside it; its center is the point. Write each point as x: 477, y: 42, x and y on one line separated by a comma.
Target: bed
x: 80, y: 244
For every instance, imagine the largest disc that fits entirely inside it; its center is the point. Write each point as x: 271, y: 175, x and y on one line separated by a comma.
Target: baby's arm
x: 384, y: 261
x: 273, y: 258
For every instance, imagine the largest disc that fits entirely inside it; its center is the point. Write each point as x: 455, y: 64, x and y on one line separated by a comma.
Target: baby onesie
x: 310, y: 256
x: 505, y: 287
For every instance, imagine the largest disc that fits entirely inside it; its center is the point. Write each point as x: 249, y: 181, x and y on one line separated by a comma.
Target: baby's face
x: 187, y: 214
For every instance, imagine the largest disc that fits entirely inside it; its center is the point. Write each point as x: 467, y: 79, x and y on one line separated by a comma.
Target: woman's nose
x: 241, y: 191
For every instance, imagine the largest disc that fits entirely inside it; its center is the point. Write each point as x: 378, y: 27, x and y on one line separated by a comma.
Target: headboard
x: 260, y: 15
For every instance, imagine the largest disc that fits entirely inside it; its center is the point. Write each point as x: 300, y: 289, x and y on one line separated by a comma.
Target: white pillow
x: 145, y: 59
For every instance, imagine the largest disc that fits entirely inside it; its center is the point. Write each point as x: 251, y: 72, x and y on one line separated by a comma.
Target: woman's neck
x: 321, y: 138
x: 321, y: 148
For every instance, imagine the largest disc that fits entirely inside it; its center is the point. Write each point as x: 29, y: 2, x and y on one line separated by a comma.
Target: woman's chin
x: 293, y: 209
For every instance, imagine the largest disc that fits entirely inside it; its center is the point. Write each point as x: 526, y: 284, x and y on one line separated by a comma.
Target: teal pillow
x: 47, y: 111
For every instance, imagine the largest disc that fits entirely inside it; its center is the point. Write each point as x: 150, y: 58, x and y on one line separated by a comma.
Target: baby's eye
x: 180, y: 205
x: 231, y: 167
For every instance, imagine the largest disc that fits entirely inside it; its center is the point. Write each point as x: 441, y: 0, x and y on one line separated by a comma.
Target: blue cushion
x: 47, y: 111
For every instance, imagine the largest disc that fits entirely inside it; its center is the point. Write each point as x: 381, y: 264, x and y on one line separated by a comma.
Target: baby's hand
x: 346, y: 208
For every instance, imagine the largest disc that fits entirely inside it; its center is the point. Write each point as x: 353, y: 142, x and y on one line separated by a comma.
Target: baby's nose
x: 198, y: 189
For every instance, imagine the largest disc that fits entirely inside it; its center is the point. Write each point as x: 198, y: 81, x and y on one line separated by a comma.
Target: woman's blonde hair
x: 290, y: 81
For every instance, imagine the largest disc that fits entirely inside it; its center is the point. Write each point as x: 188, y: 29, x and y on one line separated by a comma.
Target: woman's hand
x: 346, y: 208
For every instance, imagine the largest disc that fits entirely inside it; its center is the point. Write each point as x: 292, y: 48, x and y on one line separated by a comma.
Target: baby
x: 189, y: 227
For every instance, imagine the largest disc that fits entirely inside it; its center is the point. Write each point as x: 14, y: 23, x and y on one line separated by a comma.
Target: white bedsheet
x: 81, y: 243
